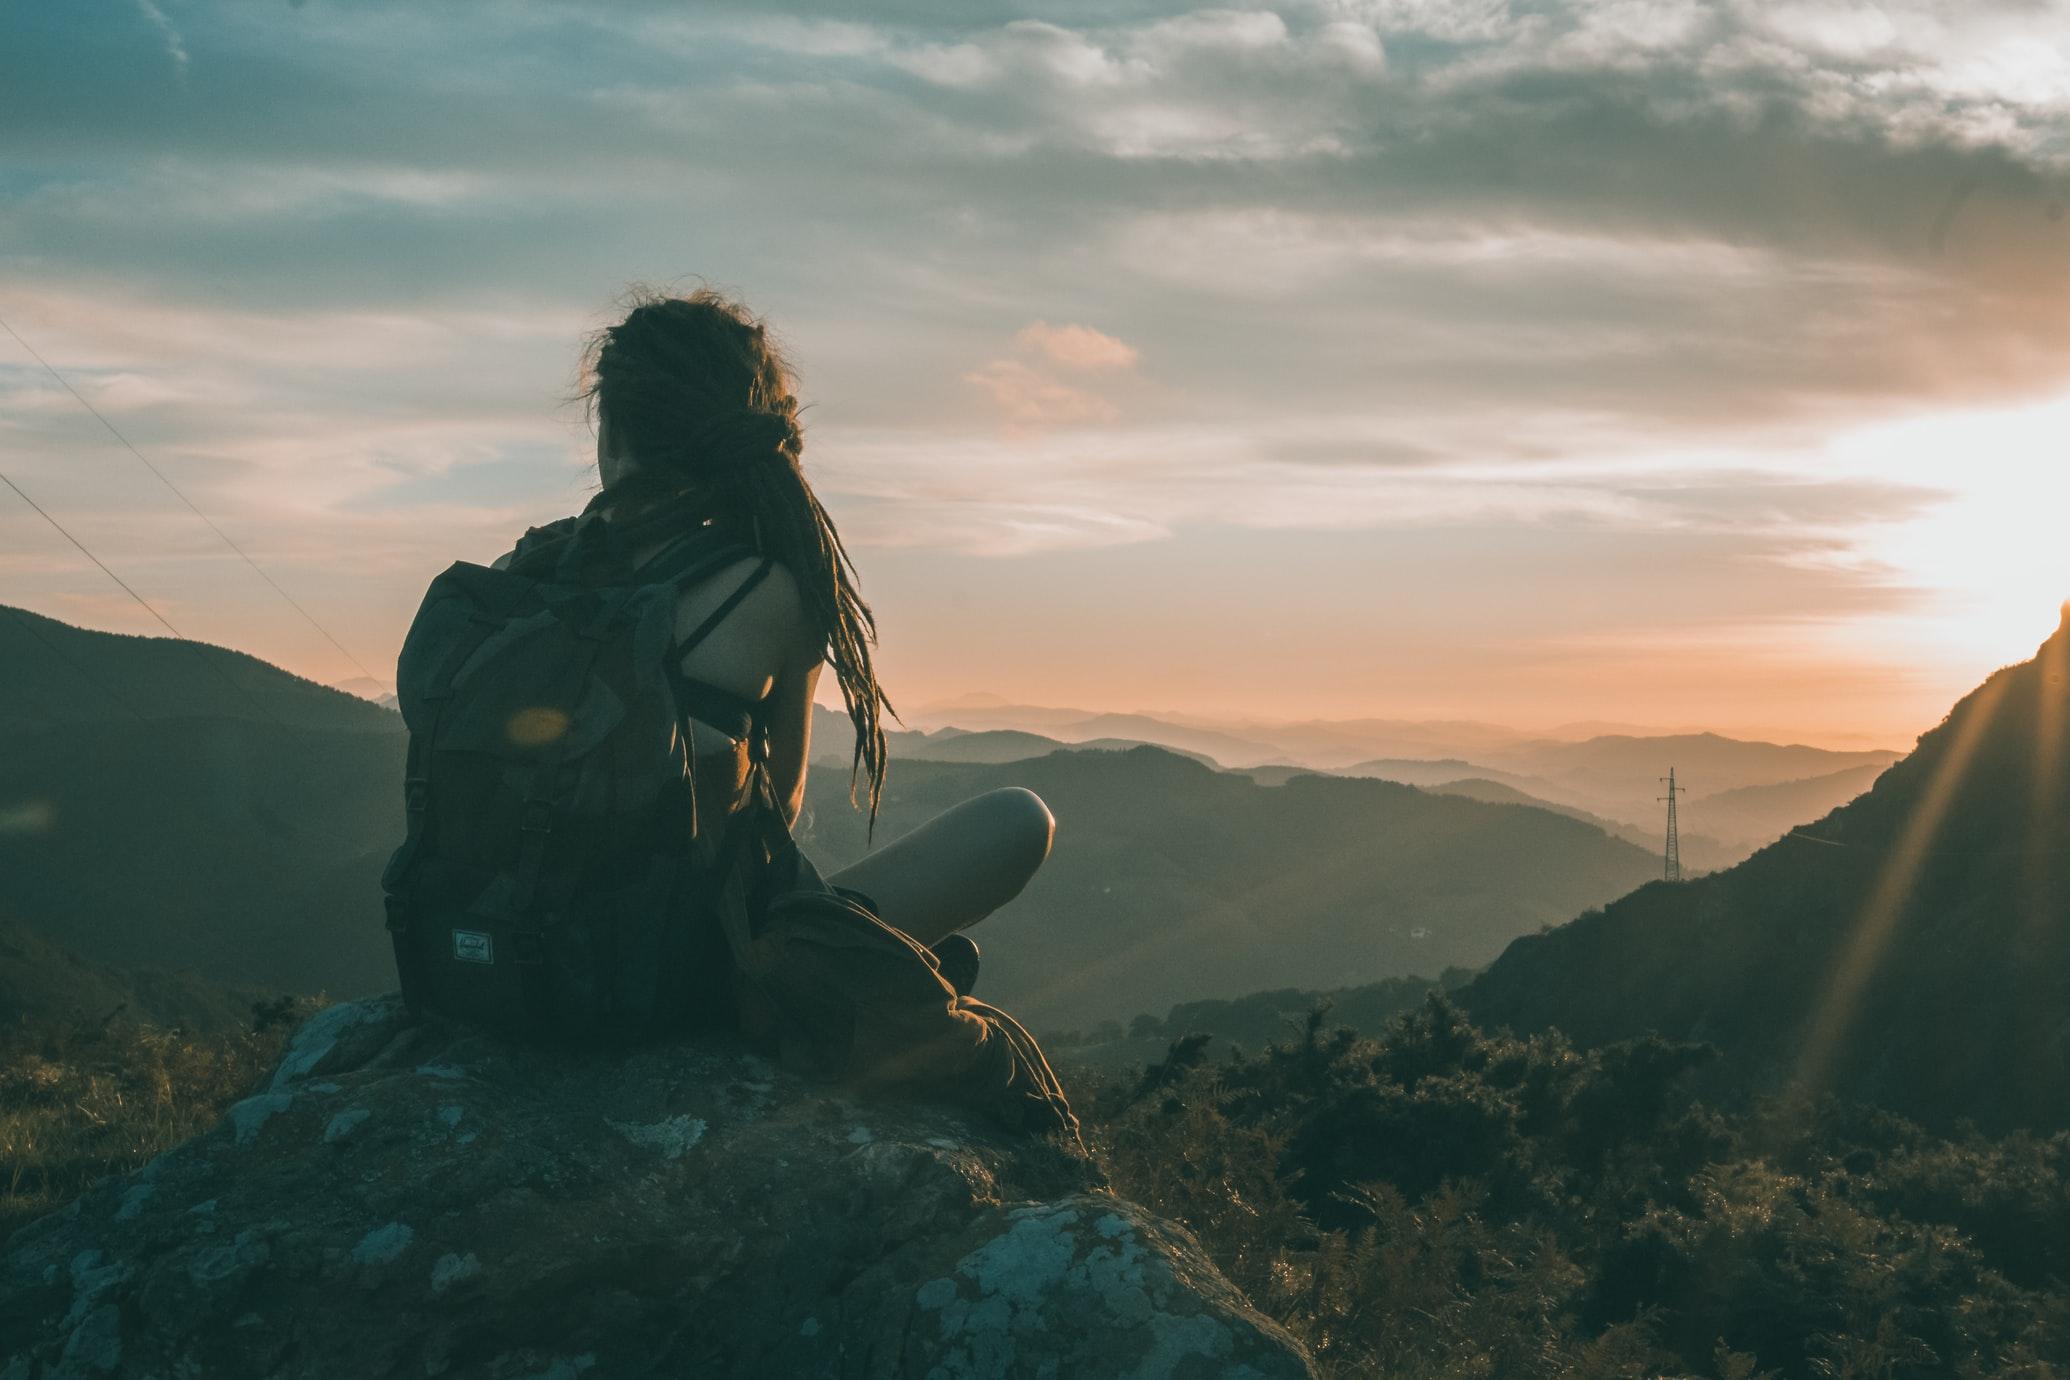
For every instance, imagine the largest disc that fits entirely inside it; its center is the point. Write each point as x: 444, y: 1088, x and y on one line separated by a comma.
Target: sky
x: 1679, y: 364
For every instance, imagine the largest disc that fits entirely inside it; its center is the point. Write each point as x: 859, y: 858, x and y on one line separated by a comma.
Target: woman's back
x: 561, y: 878
x: 763, y: 651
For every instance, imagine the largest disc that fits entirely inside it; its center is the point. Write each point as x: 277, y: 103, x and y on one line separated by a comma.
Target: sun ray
x: 1893, y: 889
x: 2044, y: 839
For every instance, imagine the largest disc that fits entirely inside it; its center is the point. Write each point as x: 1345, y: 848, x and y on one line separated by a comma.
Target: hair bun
x: 743, y: 437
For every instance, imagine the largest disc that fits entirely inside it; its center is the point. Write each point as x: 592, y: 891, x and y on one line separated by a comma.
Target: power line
x: 141, y: 600
x: 148, y: 607
x: 242, y: 555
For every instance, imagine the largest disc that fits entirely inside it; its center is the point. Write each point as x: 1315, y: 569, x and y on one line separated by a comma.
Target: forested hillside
x: 1911, y: 949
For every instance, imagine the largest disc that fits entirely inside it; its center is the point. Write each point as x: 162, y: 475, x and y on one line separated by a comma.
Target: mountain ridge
x: 1911, y: 948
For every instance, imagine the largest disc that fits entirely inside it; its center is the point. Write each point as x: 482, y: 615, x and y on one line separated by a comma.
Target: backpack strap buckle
x: 537, y: 816
x: 416, y: 794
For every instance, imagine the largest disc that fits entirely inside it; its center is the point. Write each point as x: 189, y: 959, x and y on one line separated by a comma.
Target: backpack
x: 553, y: 881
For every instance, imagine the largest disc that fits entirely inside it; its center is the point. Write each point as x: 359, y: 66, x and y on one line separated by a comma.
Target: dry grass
x: 83, y: 1099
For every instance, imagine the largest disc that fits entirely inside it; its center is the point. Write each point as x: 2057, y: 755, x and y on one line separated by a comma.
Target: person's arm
x: 790, y: 725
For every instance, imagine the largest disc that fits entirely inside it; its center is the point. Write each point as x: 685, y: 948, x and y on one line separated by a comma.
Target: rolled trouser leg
x: 957, y: 868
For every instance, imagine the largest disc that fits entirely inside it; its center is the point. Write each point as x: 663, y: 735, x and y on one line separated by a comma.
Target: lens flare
x: 536, y: 726
x: 27, y: 817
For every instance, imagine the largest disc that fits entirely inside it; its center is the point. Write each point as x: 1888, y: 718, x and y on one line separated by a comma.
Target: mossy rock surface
x: 411, y: 1198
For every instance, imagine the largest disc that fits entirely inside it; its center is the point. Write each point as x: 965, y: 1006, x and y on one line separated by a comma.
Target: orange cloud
x: 1077, y: 347
x: 1030, y: 397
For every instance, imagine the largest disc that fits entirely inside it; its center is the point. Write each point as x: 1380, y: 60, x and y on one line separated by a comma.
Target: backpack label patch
x: 472, y: 946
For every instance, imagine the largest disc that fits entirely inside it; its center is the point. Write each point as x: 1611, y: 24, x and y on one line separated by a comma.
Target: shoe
x: 957, y: 956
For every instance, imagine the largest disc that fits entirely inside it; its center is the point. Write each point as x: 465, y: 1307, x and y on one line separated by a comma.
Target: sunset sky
x: 1669, y: 363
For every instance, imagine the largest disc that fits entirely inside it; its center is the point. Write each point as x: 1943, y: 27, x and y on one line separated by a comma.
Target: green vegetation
x: 1436, y: 1202
x: 1249, y: 1022
x: 83, y: 1097
x: 1443, y: 1201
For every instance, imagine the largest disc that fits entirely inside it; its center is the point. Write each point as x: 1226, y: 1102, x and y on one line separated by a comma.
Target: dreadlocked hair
x: 700, y: 399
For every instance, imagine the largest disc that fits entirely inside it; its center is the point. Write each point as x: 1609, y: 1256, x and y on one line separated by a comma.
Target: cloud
x: 1028, y: 396
x: 175, y: 46
x: 1032, y: 395
x: 1356, y: 265
x: 1077, y: 347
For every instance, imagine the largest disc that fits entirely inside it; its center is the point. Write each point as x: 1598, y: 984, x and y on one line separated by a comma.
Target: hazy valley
x: 177, y: 805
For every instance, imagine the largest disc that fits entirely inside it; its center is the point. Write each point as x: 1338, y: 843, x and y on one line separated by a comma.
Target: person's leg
x: 958, y: 867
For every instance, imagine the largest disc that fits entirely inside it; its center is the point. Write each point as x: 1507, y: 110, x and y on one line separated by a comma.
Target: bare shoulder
x: 773, y: 608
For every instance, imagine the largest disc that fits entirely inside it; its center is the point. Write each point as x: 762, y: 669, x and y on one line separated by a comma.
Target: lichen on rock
x: 679, y: 1209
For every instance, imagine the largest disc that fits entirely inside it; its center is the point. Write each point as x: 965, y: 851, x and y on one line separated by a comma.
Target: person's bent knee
x: 1026, y: 821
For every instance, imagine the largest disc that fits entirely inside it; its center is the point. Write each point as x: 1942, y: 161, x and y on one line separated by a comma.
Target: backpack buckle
x: 536, y: 817
x: 416, y: 794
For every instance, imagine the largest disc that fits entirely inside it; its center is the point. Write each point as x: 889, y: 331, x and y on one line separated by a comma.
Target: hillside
x: 1081, y: 725
x: 833, y: 736
x: 1723, y: 763
x: 1911, y: 949
x: 1700, y: 852
x: 1171, y: 882
x: 58, y: 675
x: 191, y: 842
x: 185, y: 843
x: 1765, y: 813
x: 43, y: 984
x: 1618, y: 776
x: 1612, y: 782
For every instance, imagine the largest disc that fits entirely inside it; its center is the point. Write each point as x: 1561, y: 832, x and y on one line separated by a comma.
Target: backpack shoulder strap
x: 733, y: 714
x: 696, y: 554
x: 731, y: 602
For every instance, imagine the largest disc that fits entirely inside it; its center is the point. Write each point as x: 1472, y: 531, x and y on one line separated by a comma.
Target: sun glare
x: 1995, y: 556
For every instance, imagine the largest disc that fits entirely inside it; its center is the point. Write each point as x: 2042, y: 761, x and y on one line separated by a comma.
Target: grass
x: 82, y: 1099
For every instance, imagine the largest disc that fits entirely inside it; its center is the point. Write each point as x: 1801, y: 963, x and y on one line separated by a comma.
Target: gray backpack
x: 549, y: 884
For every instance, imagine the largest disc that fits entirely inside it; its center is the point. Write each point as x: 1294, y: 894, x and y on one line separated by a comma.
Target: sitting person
x: 654, y: 884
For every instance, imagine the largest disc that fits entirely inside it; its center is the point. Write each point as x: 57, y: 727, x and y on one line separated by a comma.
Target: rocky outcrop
x: 415, y: 1199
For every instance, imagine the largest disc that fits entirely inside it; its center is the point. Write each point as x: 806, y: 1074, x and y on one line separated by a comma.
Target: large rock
x: 415, y: 1199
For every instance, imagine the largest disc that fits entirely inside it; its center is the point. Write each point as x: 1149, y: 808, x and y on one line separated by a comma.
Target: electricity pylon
x: 1674, y: 844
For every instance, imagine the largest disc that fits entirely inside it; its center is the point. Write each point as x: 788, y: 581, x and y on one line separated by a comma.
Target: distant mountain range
x: 1603, y: 772
x: 1911, y: 949
x: 833, y: 738
x: 1171, y: 881
x: 164, y: 802
x: 1719, y: 828
x: 153, y: 813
